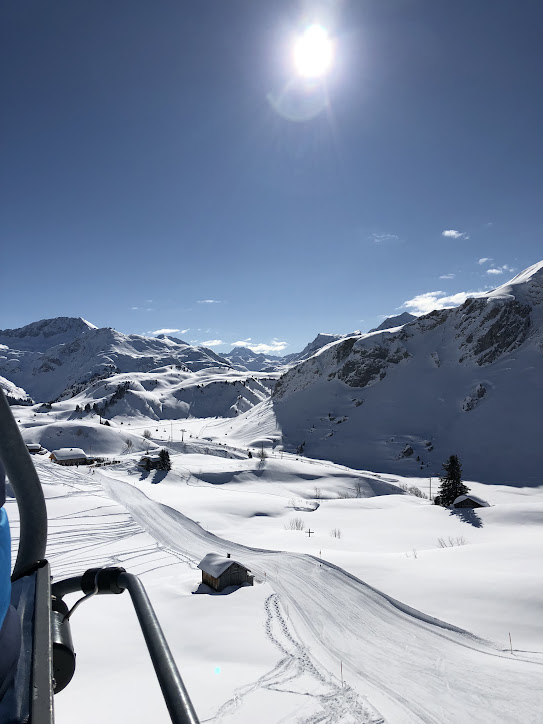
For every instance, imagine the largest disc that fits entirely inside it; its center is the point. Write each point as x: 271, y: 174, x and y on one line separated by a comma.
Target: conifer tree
x: 164, y: 462
x: 451, y: 482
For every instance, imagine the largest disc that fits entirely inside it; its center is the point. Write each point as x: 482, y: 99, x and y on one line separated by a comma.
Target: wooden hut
x: 218, y: 572
x: 149, y: 462
x: 33, y: 447
x: 469, y: 501
x: 69, y: 456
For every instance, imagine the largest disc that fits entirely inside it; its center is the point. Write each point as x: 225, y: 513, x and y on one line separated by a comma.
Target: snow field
x: 279, y: 644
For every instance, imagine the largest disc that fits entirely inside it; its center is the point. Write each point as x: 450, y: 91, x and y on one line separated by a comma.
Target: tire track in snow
x: 80, y: 539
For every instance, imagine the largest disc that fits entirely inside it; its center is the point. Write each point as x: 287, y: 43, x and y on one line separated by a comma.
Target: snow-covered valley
x: 317, y: 472
x: 321, y: 604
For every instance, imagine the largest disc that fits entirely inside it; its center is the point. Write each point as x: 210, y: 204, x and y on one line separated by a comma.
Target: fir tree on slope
x: 451, y: 482
x: 164, y: 463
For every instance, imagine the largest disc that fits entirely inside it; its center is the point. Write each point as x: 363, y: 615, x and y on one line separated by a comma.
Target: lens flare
x: 313, y: 52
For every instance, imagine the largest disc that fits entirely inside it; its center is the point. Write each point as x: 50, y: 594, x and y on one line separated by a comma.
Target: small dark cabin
x: 149, y: 462
x: 469, y: 501
x: 218, y: 572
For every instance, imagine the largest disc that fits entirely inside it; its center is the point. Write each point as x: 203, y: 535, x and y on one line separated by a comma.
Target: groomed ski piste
x: 375, y: 622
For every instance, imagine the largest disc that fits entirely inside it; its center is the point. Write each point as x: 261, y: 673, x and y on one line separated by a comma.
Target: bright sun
x: 313, y: 52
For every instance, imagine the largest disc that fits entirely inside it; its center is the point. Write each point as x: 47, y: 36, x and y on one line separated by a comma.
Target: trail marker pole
x: 510, y: 644
x: 341, y: 665
x: 430, y: 490
x: 309, y: 532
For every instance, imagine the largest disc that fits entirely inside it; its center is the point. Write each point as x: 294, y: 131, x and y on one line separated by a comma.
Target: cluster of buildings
x: 62, y: 456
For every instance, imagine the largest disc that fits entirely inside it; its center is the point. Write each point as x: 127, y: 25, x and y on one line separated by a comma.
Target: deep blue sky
x: 145, y: 170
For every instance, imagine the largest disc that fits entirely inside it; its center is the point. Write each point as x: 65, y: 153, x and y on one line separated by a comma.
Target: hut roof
x: 33, y: 446
x: 69, y: 453
x: 475, y: 498
x: 216, y: 565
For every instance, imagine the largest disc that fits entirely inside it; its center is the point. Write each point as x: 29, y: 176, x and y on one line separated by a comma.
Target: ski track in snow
x: 336, y: 704
x: 410, y: 667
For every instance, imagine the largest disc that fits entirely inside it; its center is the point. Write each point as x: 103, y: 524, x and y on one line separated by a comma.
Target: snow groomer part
x: 37, y: 658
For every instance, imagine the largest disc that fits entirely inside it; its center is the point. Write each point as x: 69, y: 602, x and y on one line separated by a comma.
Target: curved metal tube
x: 28, y: 491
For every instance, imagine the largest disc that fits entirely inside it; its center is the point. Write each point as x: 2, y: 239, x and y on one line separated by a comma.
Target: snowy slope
x: 400, y: 664
x: 58, y: 357
x: 15, y: 395
x: 170, y: 393
x: 321, y: 340
x: 467, y: 380
x: 397, y: 321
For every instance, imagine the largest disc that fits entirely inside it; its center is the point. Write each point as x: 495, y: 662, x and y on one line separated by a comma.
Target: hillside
x: 467, y: 380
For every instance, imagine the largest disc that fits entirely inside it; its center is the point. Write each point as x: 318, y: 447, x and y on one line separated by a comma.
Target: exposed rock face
x: 357, y: 361
x: 503, y: 325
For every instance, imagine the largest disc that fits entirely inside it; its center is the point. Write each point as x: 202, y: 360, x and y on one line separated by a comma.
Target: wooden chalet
x: 469, y: 501
x: 218, y: 572
x: 33, y: 447
x: 69, y: 456
x: 149, y: 462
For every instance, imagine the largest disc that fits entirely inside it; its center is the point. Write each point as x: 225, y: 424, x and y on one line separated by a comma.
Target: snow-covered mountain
x: 467, y: 380
x: 41, y: 336
x: 245, y: 358
x: 320, y: 341
x: 397, y: 320
x: 56, y: 357
x: 169, y: 393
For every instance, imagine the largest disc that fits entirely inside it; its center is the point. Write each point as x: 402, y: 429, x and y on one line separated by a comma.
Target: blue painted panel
x: 5, y: 565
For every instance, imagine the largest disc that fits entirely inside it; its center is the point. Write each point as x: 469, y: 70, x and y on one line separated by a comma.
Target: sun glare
x: 313, y: 52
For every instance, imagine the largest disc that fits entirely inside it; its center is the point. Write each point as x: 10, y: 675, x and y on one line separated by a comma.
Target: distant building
x: 33, y: 447
x: 149, y: 462
x: 69, y: 456
x: 218, y: 572
x: 469, y: 501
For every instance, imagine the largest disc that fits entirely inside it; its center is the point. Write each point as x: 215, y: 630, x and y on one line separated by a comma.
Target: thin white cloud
x: 261, y: 347
x: 484, y: 259
x: 134, y: 308
x: 209, y: 301
x: 454, y: 234
x: 211, y: 343
x: 167, y: 330
x: 500, y: 269
x: 381, y: 238
x: 424, y: 303
x: 447, y: 276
